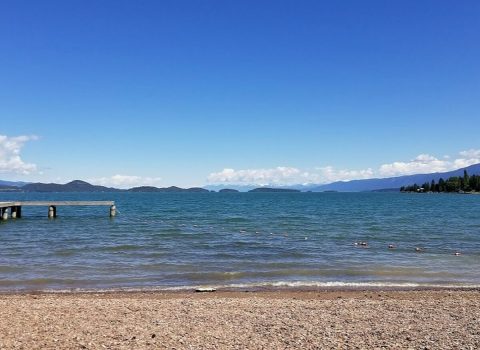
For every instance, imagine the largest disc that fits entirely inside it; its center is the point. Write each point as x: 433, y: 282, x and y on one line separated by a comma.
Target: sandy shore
x: 240, y: 320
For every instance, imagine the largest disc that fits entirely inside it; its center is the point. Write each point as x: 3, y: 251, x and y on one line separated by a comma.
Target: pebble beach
x: 281, y: 319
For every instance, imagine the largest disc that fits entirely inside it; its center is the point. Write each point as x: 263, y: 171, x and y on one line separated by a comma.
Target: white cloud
x: 275, y: 176
x: 10, y: 158
x: 469, y: 157
x: 423, y: 163
x: 285, y: 176
x: 126, y: 181
x: 330, y: 174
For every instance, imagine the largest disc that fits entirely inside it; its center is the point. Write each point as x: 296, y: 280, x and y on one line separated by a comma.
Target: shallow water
x: 183, y: 240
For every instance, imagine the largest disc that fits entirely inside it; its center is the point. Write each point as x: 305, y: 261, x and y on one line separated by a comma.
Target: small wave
x: 9, y: 269
x: 266, y: 286
x: 121, y: 247
x: 347, y: 285
x: 235, y: 219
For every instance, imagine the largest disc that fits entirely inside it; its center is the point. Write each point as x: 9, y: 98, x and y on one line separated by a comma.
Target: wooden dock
x: 14, y: 209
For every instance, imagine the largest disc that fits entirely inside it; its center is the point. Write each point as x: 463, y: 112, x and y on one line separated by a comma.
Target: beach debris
x: 153, y: 335
x: 419, y: 249
x: 457, y: 253
x: 391, y: 246
x: 205, y: 290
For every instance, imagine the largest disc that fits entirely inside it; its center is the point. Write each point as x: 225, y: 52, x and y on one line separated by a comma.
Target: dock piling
x: 113, y: 211
x: 52, y: 212
x: 14, y: 212
x: 4, y: 212
x: 14, y: 209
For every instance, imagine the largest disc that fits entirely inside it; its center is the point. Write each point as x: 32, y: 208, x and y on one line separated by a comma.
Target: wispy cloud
x: 11, y: 161
x: 423, y: 163
x: 126, y: 181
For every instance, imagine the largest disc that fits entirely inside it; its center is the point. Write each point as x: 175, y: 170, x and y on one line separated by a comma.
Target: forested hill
x: 393, y: 182
x: 465, y: 183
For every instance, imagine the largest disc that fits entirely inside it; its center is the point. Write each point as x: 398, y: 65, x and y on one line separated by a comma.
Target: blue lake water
x: 170, y: 241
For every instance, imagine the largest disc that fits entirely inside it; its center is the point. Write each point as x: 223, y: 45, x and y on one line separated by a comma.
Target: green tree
x: 426, y: 187
x: 466, y: 181
x: 441, y: 185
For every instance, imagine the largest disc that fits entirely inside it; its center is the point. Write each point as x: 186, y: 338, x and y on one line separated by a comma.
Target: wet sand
x: 425, y: 319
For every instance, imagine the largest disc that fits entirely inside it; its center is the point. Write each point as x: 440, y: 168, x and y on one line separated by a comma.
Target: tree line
x: 465, y: 183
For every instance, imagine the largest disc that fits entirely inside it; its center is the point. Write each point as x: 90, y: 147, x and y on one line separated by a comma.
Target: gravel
x: 237, y: 320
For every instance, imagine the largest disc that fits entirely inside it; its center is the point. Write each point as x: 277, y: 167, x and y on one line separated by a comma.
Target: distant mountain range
x: 74, y: 186
x: 12, y: 183
x: 82, y: 186
x: 378, y: 185
x: 392, y: 183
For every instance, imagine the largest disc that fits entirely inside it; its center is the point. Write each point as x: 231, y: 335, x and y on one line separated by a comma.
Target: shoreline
x: 241, y: 290
x: 293, y: 319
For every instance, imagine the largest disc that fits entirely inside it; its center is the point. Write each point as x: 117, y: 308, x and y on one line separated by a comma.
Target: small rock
x: 205, y: 290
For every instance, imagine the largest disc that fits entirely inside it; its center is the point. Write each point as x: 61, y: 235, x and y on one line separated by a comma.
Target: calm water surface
x: 242, y: 239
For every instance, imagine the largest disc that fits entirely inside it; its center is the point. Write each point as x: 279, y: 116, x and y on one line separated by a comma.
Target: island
x: 228, y: 190
x: 269, y: 190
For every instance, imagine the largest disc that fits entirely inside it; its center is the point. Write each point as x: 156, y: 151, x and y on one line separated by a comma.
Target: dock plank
x: 65, y: 203
x: 55, y: 203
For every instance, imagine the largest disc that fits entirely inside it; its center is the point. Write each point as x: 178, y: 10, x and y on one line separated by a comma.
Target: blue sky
x: 266, y: 92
